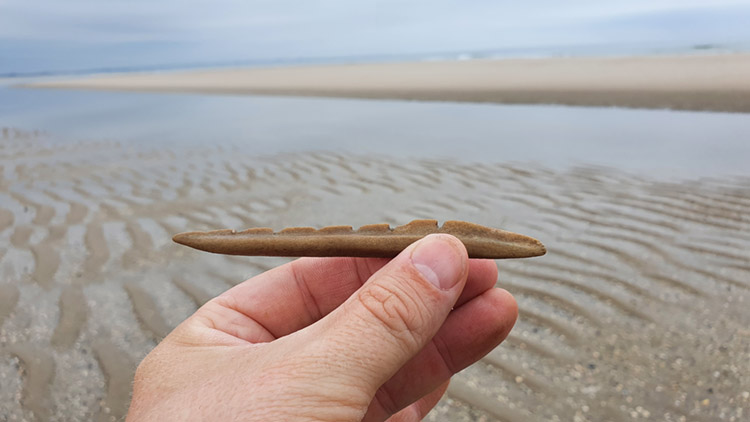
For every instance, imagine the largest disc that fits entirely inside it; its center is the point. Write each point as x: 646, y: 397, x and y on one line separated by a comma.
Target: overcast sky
x: 61, y: 35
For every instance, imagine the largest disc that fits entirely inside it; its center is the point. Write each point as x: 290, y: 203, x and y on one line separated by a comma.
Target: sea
x: 663, y: 143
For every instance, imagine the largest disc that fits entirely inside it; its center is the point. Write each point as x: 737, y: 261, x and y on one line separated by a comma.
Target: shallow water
x: 662, y: 143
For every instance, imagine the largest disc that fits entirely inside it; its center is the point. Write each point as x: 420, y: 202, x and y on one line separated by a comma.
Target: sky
x: 72, y: 35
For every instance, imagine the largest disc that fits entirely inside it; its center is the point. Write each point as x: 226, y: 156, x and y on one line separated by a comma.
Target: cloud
x: 53, y: 34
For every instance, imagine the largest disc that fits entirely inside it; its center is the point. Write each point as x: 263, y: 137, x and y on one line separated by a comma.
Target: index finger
x: 290, y: 297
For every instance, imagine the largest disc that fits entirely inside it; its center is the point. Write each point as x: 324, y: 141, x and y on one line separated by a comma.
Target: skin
x: 330, y: 339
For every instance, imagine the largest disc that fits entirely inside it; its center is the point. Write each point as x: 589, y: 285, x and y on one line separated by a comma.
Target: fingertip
x: 441, y: 259
x: 485, y: 269
x: 482, y: 277
x: 507, y: 307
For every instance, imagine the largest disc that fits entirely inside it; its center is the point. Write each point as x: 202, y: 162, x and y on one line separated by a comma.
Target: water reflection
x: 661, y: 142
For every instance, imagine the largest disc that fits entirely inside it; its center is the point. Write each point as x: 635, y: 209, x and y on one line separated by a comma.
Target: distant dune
x: 699, y: 82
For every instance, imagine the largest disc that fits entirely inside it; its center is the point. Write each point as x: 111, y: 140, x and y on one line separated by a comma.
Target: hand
x: 330, y: 339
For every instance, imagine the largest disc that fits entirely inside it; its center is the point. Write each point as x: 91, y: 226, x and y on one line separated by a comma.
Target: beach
x: 687, y: 82
x: 617, y: 134
x: 638, y: 311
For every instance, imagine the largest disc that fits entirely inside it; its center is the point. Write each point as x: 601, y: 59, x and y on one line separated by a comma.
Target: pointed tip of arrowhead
x: 537, y: 248
x: 183, y: 238
x: 525, y: 247
x: 179, y: 238
x: 514, y: 245
x: 198, y: 240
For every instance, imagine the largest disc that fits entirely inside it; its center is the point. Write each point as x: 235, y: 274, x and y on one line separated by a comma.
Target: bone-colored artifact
x: 375, y: 240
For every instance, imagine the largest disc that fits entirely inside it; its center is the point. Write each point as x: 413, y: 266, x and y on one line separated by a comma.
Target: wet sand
x: 700, y: 82
x: 638, y: 311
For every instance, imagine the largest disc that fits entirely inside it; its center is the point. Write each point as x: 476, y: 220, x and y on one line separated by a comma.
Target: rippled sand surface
x: 639, y: 310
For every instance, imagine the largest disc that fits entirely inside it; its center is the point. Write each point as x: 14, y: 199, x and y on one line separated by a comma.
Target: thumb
x: 397, y: 311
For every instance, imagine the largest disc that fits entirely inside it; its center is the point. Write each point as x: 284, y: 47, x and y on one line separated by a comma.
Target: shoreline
x: 695, y: 82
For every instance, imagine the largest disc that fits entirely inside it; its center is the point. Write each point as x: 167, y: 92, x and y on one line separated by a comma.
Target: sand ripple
x: 639, y: 310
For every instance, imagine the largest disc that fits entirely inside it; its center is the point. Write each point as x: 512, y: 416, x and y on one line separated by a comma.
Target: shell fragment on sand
x: 375, y: 240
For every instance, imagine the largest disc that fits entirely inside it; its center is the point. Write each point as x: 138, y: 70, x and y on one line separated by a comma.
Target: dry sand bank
x: 719, y: 83
x: 639, y: 310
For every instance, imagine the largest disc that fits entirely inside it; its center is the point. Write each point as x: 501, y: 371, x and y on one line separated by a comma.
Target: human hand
x: 330, y: 339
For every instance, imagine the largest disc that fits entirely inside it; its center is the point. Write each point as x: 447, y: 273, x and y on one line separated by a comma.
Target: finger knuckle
x: 397, y: 310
